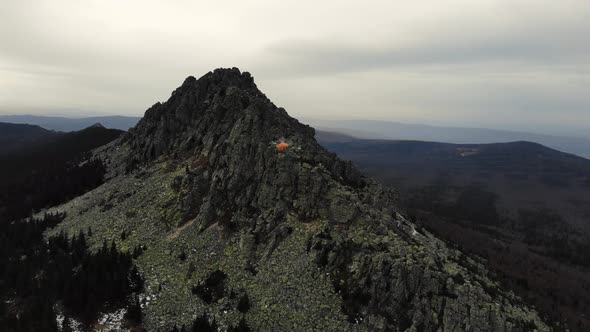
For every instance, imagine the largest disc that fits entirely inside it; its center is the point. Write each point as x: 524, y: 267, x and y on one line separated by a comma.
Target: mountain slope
x: 524, y: 159
x: 18, y: 136
x: 523, y: 206
x: 302, y: 236
x: 45, y: 172
x: 523, y: 174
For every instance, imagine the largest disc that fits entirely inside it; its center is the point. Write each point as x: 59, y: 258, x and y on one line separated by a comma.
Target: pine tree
x: 133, y: 314
x: 244, y: 303
x: 241, y: 327
x: 201, y: 324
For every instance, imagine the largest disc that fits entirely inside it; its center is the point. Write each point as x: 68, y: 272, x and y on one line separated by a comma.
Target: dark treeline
x: 48, y: 187
x: 14, y: 137
x: 47, y: 174
x: 473, y: 206
x: 39, y: 275
x: 523, y: 251
x: 553, y: 236
x: 204, y: 324
x: 35, y: 275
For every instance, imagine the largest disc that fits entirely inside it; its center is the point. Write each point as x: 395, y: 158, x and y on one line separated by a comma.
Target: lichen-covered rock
x: 229, y: 129
x: 312, y: 243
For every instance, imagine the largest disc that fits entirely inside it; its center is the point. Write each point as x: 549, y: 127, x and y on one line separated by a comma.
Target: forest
x: 535, y: 253
x: 42, y: 278
x: 37, y: 274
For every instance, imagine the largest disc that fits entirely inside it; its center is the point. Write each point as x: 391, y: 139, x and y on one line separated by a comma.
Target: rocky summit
x: 247, y: 223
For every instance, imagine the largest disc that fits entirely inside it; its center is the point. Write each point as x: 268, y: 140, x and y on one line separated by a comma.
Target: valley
x: 521, y: 206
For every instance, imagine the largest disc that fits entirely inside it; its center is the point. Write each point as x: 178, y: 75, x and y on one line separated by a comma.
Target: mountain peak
x: 219, y: 80
x: 97, y: 125
x: 202, y: 113
x: 219, y: 162
x: 231, y: 127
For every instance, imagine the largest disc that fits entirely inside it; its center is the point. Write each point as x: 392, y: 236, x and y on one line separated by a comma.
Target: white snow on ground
x: 147, y: 297
x: 59, y: 319
x: 74, y: 324
x: 107, y: 322
x: 111, y: 321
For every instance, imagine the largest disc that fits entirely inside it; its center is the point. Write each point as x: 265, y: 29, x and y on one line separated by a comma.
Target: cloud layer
x: 520, y: 64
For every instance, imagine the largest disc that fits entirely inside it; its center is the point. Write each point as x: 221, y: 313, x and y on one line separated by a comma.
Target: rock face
x: 313, y: 243
x: 238, y: 176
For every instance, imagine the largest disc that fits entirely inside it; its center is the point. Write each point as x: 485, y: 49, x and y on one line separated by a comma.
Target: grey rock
x: 390, y: 278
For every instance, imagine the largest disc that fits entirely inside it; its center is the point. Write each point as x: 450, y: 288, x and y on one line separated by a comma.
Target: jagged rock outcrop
x: 331, y: 241
x: 238, y: 177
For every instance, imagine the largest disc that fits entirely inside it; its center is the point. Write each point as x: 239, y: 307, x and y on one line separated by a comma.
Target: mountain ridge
x: 38, y: 173
x: 456, y: 135
x: 18, y: 136
x: 310, y: 241
x: 66, y: 124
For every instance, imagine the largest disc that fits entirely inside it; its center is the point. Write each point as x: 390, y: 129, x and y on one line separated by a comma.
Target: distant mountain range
x: 72, y: 124
x: 365, y: 129
x: 411, y: 163
x: 370, y: 129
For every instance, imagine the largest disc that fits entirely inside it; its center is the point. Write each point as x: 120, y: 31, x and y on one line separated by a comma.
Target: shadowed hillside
x: 522, y: 206
x: 18, y: 136
x: 41, y: 174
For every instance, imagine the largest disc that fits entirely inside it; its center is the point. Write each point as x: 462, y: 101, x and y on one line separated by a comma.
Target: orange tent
x: 282, y: 146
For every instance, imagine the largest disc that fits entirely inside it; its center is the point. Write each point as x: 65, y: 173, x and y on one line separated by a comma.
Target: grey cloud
x: 547, y: 45
x: 486, y: 63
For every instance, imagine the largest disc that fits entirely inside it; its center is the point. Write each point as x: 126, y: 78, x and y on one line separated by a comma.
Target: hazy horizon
x: 359, y: 128
x: 515, y: 65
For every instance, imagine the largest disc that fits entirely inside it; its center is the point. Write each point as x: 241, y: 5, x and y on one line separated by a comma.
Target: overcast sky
x: 516, y: 64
